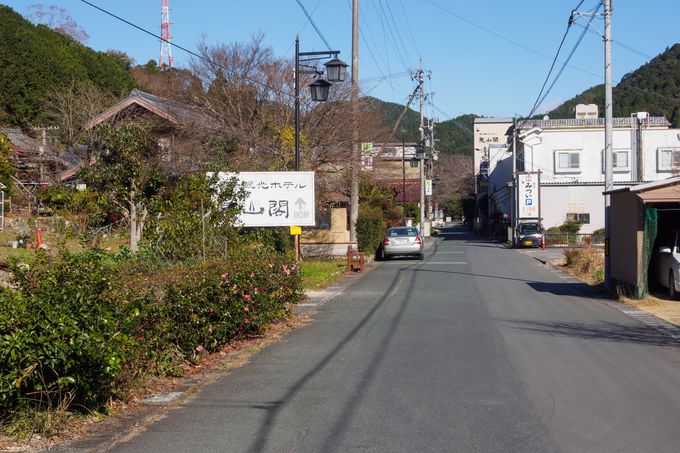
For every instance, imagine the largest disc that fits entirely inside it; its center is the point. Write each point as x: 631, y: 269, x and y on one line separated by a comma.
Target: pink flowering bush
x: 201, y: 307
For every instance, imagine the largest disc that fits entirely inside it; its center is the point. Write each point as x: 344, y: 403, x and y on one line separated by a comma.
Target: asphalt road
x: 477, y: 349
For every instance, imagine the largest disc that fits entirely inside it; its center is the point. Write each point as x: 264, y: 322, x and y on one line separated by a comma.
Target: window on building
x: 583, y: 218
x: 621, y: 162
x: 668, y: 159
x: 567, y: 161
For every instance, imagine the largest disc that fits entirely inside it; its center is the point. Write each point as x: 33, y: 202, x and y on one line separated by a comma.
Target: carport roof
x: 652, y: 192
x: 647, y: 186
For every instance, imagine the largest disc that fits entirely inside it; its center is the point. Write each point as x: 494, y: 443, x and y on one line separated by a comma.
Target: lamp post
x: 336, y: 71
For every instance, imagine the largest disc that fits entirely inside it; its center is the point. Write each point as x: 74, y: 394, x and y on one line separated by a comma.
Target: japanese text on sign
x: 276, y: 198
x: 528, y: 195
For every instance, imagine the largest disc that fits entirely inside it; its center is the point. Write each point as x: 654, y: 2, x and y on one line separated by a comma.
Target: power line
x: 309, y: 18
x: 386, y: 23
x: 541, y: 95
x: 190, y: 52
x: 504, y: 38
x: 396, y: 25
x: 408, y: 26
x: 552, y: 65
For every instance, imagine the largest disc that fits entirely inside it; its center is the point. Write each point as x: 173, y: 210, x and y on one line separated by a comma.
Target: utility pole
x: 513, y: 198
x: 356, y: 155
x: 431, y: 205
x: 421, y: 92
x: 608, y: 138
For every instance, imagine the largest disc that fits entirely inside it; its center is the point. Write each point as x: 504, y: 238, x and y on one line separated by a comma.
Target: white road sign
x: 528, y: 196
x: 428, y: 187
x: 276, y: 198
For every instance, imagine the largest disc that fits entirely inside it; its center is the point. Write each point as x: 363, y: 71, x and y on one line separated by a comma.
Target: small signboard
x: 528, y: 196
x: 367, y: 156
x: 428, y: 187
x: 276, y: 198
x: 295, y: 230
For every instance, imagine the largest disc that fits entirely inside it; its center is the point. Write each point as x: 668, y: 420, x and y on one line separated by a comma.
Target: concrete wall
x: 331, y: 242
x: 488, y: 131
x: 557, y: 201
x: 589, y: 143
x: 573, y: 196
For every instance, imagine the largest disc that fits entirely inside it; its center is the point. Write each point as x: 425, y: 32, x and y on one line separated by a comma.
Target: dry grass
x: 668, y: 310
x: 587, y: 264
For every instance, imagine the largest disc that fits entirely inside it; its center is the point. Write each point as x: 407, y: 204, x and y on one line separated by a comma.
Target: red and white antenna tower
x: 166, y: 50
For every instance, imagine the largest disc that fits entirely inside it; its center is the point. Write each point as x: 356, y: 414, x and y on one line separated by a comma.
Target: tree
x: 6, y: 168
x: 127, y: 172
x: 74, y: 105
x: 36, y: 61
x: 453, y: 178
x: 59, y: 20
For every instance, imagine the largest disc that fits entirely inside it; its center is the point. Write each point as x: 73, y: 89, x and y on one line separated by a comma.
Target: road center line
x: 444, y: 262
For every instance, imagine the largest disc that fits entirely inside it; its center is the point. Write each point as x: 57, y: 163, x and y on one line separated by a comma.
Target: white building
x: 488, y: 133
x: 569, y: 155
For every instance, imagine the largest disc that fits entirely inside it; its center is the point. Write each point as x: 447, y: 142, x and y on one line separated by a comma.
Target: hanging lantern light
x: 319, y: 90
x: 336, y: 70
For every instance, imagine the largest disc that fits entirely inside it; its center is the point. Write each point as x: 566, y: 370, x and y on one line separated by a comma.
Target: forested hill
x: 454, y: 135
x: 36, y: 61
x: 653, y: 87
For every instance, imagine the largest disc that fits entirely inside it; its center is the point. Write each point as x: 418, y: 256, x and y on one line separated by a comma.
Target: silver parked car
x: 402, y: 241
x: 667, y: 262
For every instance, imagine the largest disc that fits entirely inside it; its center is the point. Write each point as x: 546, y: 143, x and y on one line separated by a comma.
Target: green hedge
x: 86, y: 327
x: 370, y: 230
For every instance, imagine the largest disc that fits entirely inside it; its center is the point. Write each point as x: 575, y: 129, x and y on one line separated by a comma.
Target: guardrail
x: 574, y: 240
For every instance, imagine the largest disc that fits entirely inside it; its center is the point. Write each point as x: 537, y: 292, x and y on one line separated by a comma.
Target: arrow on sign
x: 300, y: 203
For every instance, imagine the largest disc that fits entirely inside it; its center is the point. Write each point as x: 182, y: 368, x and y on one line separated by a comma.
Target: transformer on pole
x: 165, y: 58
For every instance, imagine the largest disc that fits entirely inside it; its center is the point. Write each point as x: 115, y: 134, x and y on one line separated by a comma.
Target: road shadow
x: 564, y: 289
x: 274, y: 408
x: 461, y: 234
x: 603, y: 331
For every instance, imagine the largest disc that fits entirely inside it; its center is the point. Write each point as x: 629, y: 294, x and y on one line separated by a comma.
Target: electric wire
x: 386, y: 23
x: 557, y: 55
x: 504, y: 38
x: 396, y: 26
x: 378, y: 66
x: 190, y: 52
x: 410, y: 30
x: 542, y: 95
x: 311, y: 21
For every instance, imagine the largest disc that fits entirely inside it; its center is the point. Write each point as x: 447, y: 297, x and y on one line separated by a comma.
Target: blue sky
x: 486, y: 57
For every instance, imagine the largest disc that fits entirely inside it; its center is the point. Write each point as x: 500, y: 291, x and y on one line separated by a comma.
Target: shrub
x: 57, y: 340
x: 586, y: 261
x: 370, y: 230
x: 82, y: 328
x: 571, y: 226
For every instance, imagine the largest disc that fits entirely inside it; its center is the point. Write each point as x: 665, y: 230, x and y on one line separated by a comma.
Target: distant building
x: 569, y: 154
x: 488, y: 133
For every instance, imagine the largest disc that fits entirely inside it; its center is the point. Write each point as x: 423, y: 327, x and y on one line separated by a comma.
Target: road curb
x: 646, y: 318
x: 315, y: 299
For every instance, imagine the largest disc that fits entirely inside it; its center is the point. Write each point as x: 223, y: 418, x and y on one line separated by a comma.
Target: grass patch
x: 318, y: 274
x: 586, y: 263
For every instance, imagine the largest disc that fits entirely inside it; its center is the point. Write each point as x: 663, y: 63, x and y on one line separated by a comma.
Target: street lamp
x: 319, y: 90
x: 336, y: 71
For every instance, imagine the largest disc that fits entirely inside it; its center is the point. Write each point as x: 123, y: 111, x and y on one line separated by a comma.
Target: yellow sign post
x: 296, y: 231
